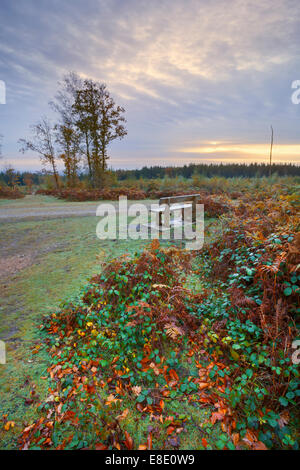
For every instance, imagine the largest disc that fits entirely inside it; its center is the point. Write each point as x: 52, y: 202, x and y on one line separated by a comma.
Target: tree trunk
x: 55, y: 174
x: 271, y: 149
x: 89, y: 159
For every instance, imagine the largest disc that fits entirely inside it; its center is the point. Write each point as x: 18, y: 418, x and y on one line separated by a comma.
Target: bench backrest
x: 177, y: 199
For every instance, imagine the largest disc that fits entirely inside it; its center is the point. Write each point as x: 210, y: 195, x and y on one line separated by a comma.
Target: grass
x: 65, y: 254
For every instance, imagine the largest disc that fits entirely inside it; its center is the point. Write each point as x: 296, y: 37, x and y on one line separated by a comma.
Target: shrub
x: 10, y: 193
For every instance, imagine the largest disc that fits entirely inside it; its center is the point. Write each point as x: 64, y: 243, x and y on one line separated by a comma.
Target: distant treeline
x: 229, y: 170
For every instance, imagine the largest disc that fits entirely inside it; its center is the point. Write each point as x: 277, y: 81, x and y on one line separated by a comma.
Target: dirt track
x: 34, y: 208
x: 52, y: 211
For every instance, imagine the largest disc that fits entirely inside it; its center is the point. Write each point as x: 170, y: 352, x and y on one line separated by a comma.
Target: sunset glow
x: 288, y: 153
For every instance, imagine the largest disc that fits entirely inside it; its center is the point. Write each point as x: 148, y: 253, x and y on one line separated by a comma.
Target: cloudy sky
x: 201, y: 80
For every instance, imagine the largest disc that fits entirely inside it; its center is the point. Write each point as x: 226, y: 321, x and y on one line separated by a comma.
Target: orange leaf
x: 128, y: 441
x: 142, y: 447
x: 250, y: 436
x: 235, y: 438
x: 259, y: 446
x: 224, y: 427
x: 173, y: 374
x: 170, y: 430
x: 203, y: 385
x: 123, y: 415
x: 216, y: 417
x: 149, y: 441
x: 204, y: 442
x: 100, y: 446
x: 8, y: 425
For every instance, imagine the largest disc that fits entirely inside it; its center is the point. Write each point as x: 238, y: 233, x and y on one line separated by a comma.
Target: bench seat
x: 173, y: 207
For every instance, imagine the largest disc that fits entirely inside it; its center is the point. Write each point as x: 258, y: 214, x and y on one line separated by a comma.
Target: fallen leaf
x: 216, y: 417
x: 284, y: 419
x: 137, y: 390
x: 259, y: 446
x: 204, y: 442
x: 235, y: 438
x: 9, y: 425
x: 128, y: 441
x: 149, y: 441
x: 100, y: 446
x: 123, y: 415
x: 203, y: 385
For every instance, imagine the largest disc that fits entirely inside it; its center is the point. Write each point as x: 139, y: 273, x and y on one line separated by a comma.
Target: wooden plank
x: 173, y: 199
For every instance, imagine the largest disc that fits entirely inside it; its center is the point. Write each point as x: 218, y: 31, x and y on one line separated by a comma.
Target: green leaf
x: 283, y: 401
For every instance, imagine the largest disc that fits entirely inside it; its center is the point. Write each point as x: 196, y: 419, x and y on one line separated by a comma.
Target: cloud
x: 185, y: 70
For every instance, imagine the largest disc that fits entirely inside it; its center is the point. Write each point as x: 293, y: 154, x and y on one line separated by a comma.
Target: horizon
x: 190, y: 97
x: 84, y: 171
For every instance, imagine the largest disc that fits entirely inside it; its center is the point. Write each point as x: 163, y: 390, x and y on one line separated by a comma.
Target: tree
x: 42, y: 142
x: 11, y: 176
x: 63, y: 104
x: 95, y: 110
x: 69, y: 142
x: 28, y: 180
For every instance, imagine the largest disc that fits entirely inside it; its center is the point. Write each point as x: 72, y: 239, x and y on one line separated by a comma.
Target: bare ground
x: 41, y: 207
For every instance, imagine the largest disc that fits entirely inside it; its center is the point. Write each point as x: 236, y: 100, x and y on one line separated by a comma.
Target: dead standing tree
x: 42, y: 142
x: 271, y: 150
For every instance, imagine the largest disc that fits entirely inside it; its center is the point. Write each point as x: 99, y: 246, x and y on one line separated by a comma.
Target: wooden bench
x: 171, y: 204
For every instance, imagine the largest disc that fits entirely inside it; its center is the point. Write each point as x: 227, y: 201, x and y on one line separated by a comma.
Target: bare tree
x: 63, y: 104
x: 65, y: 97
x: 42, y: 142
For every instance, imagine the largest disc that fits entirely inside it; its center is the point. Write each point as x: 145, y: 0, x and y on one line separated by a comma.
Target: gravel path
x: 46, y: 212
x: 52, y: 211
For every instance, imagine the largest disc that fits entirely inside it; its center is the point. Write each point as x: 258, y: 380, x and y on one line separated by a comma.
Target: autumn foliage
x: 10, y: 193
x: 213, y: 331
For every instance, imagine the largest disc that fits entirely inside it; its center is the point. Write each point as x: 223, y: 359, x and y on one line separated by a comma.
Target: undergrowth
x: 142, y: 345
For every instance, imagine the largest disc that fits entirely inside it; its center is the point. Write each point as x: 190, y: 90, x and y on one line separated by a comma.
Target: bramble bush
x: 141, y: 338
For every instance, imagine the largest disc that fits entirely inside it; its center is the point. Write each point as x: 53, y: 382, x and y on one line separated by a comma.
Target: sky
x: 200, y: 80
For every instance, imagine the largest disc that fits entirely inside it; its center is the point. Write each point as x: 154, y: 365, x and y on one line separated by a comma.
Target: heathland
x: 122, y: 344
